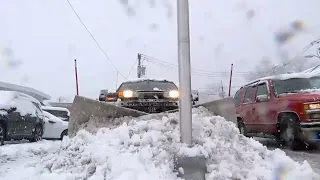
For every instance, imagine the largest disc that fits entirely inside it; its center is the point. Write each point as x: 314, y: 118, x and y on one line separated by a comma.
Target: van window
x: 238, y: 97
x: 61, y: 114
x: 249, y: 96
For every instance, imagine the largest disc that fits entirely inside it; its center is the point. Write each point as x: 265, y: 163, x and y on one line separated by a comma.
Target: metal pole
x: 184, y: 72
x: 117, y: 81
x: 76, y: 73
x: 230, y: 80
x: 139, y: 65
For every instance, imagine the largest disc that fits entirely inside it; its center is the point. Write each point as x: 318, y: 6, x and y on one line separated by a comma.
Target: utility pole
x: 229, y: 94
x: 139, y: 66
x: 193, y: 167
x: 76, y: 74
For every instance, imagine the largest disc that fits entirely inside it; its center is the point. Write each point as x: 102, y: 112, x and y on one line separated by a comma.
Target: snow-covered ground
x: 143, y: 149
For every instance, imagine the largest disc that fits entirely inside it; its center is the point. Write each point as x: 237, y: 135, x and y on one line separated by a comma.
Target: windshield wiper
x: 285, y: 92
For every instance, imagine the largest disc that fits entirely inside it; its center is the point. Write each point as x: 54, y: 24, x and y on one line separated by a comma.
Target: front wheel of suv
x: 289, y: 132
x: 242, y: 128
x: 37, y: 133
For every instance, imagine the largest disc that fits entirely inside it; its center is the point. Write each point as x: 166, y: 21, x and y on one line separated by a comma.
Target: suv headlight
x: 174, y: 94
x: 126, y: 94
x: 312, y: 106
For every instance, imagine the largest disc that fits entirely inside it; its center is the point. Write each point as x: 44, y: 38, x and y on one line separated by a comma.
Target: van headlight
x: 174, y: 94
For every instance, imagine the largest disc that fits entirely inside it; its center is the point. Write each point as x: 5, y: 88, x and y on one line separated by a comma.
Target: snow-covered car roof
x: 7, y: 96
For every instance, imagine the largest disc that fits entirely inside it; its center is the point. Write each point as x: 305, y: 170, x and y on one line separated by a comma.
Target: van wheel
x: 2, y: 134
x: 242, y: 128
x: 37, y: 133
x: 64, y: 133
x: 289, y: 132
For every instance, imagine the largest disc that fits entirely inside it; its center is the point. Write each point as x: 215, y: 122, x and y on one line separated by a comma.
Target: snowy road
x: 312, y: 156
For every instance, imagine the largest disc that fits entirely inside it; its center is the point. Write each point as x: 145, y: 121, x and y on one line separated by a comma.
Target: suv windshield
x: 315, y: 82
x: 291, y: 85
x: 148, y: 86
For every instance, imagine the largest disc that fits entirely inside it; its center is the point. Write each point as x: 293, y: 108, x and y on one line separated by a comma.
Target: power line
x: 196, y: 72
x: 105, y: 54
x: 306, y: 48
x: 134, y: 64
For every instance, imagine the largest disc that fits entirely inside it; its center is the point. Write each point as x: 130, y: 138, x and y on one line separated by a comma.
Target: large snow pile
x: 143, y: 149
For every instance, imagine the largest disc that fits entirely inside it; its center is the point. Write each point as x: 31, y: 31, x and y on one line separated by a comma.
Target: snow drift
x: 143, y: 148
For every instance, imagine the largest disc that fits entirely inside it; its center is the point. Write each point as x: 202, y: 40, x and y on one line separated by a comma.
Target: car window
x: 37, y: 107
x: 148, y: 85
x: 249, y: 96
x: 262, y: 91
x: 238, y: 97
x: 24, y: 106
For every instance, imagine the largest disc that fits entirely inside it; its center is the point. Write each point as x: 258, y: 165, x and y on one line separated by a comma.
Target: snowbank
x: 143, y: 149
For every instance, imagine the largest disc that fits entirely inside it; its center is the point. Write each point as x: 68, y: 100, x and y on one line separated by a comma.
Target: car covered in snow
x: 21, y: 117
x: 147, y: 95
x: 54, y: 127
x: 60, y: 112
x: 284, y: 106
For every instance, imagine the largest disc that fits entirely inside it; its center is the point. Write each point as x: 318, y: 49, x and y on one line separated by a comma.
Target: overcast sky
x: 45, y: 37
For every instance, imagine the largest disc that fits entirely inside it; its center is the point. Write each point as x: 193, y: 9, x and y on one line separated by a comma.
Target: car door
x: 262, y: 108
x: 29, y: 116
x: 248, y: 116
x: 14, y: 126
x: 52, y: 127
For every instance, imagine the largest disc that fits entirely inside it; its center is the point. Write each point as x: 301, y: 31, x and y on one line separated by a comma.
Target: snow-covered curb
x: 143, y: 149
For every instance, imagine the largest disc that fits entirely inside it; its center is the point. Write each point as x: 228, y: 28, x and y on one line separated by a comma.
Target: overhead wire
x: 94, y: 39
x: 305, y: 49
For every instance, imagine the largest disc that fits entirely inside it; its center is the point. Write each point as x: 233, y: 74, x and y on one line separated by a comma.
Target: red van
x: 286, y: 107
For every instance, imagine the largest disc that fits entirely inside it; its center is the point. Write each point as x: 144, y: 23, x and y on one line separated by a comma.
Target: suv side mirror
x: 262, y: 98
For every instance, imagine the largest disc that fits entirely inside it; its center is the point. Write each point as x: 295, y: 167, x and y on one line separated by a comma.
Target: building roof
x: 40, y: 96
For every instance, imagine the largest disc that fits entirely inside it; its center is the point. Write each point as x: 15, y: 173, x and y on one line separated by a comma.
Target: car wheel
x: 37, y: 133
x: 242, y: 128
x: 2, y: 134
x: 64, y: 133
x: 289, y: 132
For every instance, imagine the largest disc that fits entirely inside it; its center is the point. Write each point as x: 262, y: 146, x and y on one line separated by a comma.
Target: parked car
x: 60, y: 112
x: 281, y: 106
x: 21, y: 117
x: 54, y: 127
x: 103, y: 94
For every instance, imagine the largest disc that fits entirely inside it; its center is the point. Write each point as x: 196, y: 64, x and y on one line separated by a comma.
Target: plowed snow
x: 143, y: 149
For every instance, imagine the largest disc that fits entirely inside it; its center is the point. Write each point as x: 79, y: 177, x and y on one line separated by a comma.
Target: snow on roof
x: 27, y: 90
x: 143, y: 148
x: 6, y: 97
x: 143, y: 79
x: 54, y: 108
x: 283, y: 77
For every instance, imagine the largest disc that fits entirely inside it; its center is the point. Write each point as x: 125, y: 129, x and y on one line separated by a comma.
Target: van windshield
x: 293, y: 85
x: 315, y: 82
